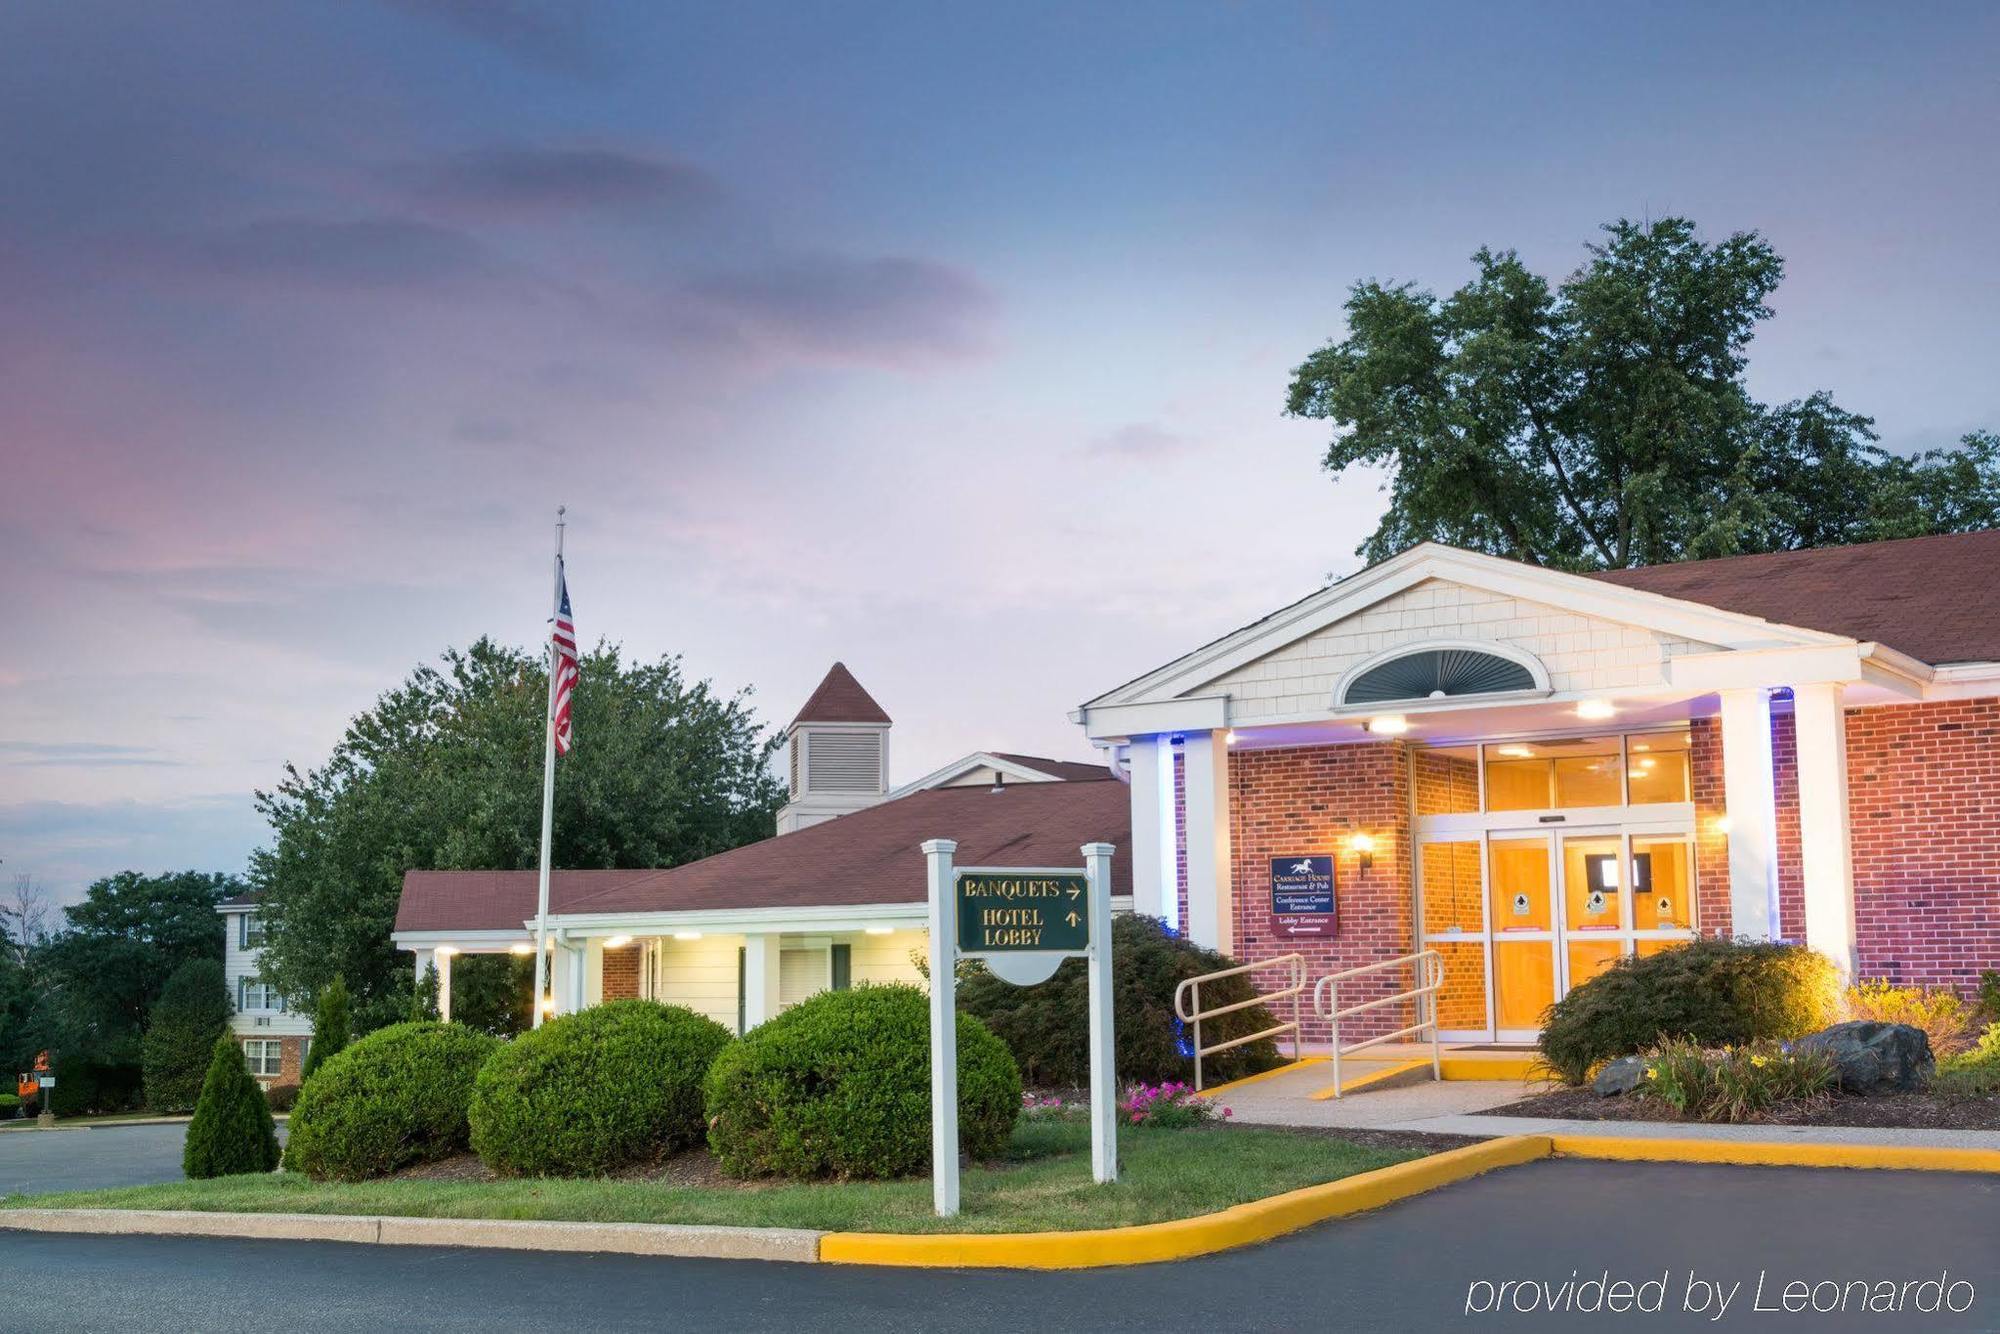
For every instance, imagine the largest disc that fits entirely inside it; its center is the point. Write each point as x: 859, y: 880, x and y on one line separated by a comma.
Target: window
x: 1554, y: 773
x: 252, y: 994
x: 1559, y: 774
x: 250, y: 931
x: 1657, y: 767
x: 264, y: 1056
x: 1438, y: 673
x: 843, y: 967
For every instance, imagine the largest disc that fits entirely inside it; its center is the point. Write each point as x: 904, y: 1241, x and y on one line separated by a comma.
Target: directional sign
x: 1003, y: 912
x: 1302, y: 895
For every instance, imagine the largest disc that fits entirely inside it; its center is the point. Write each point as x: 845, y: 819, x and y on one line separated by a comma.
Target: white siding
x: 701, y: 974
x: 1582, y: 653
x: 802, y: 973
x: 887, y: 958
x: 238, y: 963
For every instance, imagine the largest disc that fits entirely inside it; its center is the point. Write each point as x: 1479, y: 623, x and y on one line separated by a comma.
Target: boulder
x: 1874, y: 1057
x: 1620, y: 1077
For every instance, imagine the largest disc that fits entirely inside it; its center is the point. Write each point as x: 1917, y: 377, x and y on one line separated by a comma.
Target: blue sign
x: 1302, y: 895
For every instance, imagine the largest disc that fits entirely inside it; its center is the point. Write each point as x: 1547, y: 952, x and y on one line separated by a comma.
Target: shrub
x: 1989, y: 996
x: 84, y: 1086
x: 332, y: 1027
x: 1734, y: 1083
x: 1165, y: 1107
x: 191, y: 1013
x: 1047, y: 1027
x: 281, y: 1097
x: 593, y: 1091
x: 839, y: 1086
x: 1974, y: 1072
x: 10, y: 1106
x: 1939, y: 1011
x: 396, y: 1097
x: 231, y: 1133
x: 1716, y: 993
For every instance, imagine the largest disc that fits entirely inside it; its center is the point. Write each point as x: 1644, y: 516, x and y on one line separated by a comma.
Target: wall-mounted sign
x: 1005, y: 911
x: 1302, y: 895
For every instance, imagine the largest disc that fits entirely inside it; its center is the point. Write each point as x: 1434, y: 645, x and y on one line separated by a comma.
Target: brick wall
x: 1711, y: 844
x: 1309, y: 800
x: 1924, y: 800
x: 1791, y: 864
x: 291, y: 1053
x: 621, y: 973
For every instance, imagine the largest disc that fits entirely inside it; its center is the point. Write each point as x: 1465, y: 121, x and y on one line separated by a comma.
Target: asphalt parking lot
x: 1670, y: 1230
x: 33, y: 1161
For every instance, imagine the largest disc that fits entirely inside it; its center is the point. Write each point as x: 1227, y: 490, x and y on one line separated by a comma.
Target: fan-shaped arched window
x: 1438, y: 673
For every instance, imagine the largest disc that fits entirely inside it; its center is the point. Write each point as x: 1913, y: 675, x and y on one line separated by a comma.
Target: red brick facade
x: 292, y: 1056
x: 621, y: 974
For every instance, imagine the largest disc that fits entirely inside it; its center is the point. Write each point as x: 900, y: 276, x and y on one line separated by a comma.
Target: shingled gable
x: 839, y: 698
x: 868, y: 857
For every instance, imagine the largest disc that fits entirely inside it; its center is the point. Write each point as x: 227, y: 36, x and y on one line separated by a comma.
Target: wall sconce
x: 1362, y: 846
x: 548, y: 1005
x: 1720, y: 824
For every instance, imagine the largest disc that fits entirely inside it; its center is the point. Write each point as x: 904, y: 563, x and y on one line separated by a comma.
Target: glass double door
x: 1522, y: 916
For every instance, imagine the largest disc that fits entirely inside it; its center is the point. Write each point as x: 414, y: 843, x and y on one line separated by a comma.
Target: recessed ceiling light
x: 881, y: 930
x: 1517, y: 752
x: 687, y: 935
x: 1389, y: 724
x: 617, y: 942
x: 1596, y: 710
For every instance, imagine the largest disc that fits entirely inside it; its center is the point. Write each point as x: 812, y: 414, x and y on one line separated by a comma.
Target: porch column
x: 444, y: 985
x: 760, y: 979
x: 425, y: 958
x: 1753, y: 816
x: 1211, y: 919
x: 1825, y: 836
x: 1153, y: 887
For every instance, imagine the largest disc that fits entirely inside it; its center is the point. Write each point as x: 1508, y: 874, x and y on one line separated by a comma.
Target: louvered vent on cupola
x: 841, y: 761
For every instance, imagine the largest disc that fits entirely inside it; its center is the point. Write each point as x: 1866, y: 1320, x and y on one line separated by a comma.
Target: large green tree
x: 445, y: 772
x: 101, y: 973
x: 1604, y: 422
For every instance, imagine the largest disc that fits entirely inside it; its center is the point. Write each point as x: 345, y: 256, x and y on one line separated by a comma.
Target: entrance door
x: 1524, y: 934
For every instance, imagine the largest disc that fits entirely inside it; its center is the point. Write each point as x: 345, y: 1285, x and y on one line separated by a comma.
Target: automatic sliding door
x: 1523, y: 915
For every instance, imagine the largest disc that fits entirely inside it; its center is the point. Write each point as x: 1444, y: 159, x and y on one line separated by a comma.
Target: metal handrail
x: 1429, y: 976
x: 1187, y: 1004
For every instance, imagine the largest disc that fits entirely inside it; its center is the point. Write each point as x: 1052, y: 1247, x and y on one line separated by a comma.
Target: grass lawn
x: 1043, y: 1185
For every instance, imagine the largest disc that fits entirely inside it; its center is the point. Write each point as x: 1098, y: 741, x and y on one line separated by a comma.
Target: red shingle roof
x: 1070, y: 771
x: 867, y: 857
x: 839, y: 698
x: 1934, y: 598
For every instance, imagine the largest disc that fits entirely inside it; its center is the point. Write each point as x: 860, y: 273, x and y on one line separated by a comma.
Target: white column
x: 425, y: 958
x: 1152, y: 827
x: 760, y: 979
x: 1103, y: 1031
x: 562, y: 966
x: 579, y: 955
x: 444, y: 985
x: 942, y: 920
x: 1753, y: 816
x: 1210, y: 919
x: 1825, y: 836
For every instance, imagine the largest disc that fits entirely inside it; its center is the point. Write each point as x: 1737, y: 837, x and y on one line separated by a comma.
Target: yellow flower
x: 1760, y: 1061
x: 1651, y: 1073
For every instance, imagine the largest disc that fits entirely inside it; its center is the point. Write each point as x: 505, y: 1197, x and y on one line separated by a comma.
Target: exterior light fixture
x: 1389, y: 724
x: 1721, y: 824
x: 1596, y: 710
x: 1362, y: 846
x: 548, y: 1005
x: 1229, y: 737
x: 881, y: 930
x: 446, y: 951
x: 617, y: 942
x: 687, y: 935
x: 1517, y: 752
x: 521, y: 947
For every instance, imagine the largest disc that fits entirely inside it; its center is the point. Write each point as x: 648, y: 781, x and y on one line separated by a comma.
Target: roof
x: 839, y: 698
x: 868, y: 857
x: 247, y: 899
x: 1934, y: 598
x: 1069, y: 771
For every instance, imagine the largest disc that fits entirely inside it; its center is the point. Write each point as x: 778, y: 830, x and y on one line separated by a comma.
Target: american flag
x: 563, y: 638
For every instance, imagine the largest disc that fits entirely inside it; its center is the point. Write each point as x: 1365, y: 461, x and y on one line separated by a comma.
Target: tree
x: 104, y: 970
x: 331, y: 1027
x: 1605, y: 423
x: 493, y: 993
x: 445, y: 772
x: 231, y: 1133
x: 424, y: 1000
x: 192, y: 1012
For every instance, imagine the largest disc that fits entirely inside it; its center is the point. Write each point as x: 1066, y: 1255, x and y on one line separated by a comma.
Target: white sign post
x: 1025, y: 921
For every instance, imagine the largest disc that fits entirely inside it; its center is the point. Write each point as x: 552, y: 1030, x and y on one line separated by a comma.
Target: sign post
x: 1022, y: 922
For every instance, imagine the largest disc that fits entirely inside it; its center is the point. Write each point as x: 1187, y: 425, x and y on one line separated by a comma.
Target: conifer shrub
x: 332, y: 1021
x: 586, y: 1093
x: 191, y: 1013
x: 231, y: 1133
x: 1712, y: 993
x: 394, y: 1098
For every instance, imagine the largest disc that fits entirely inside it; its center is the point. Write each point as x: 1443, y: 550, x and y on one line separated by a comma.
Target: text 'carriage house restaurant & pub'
x: 1530, y: 772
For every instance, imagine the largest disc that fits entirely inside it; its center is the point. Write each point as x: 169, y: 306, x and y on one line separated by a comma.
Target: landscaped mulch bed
x: 1915, y: 1111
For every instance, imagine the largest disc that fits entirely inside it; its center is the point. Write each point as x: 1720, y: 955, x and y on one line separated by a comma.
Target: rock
x: 1620, y: 1077
x: 1873, y: 1057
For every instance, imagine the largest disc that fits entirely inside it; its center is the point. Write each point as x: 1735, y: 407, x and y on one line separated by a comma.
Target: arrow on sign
x: 1072, y: 919
x: 1075, y: 892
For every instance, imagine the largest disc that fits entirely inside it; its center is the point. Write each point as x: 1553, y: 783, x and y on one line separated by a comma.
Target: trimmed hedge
x: 191, y: 1013
x: 1047, y: 1027
x: 839, y: 1086
x: 10, y: 1106
x: 84, y: 1086
x: 1714, y: 993
x: 584, y: 1094
x: 394, y: 1098
x: 231, y: 1133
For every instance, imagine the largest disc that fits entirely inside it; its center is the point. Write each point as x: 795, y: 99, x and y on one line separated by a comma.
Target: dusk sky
x: 946, y: 340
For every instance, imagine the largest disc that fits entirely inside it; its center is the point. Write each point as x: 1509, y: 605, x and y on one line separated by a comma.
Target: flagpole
x: 548, y: 787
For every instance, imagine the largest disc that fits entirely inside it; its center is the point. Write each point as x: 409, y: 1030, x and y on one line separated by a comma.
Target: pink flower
x: 1227, y: 1112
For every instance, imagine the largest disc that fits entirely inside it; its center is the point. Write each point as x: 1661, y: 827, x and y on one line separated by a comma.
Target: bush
x: 84, y: 1086
x: 1939, y: 1011
x: 1989, y: 996
x: 281, y: 1097
x: 10, y: 1106
x: 1715, y: 993
x: 839, y: 1086
x: 231, y: 1133
x: 191, y: 1013
x: 1165, y: 1107
x: 1735, y: 1083
x: 332, y: 1027
x: 396, y: 1097
x: 616, y: 1084
x: 1047, y: 1027
x: 1974, y: 1072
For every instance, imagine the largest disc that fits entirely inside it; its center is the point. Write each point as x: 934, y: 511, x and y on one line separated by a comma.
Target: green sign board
x: 1006, y: 911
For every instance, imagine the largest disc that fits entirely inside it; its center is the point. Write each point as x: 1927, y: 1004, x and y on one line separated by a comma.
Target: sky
x: 946, y: 340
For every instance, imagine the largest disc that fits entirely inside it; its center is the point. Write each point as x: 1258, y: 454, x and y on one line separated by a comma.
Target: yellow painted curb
x: 1767, y: 1153
x: 1262, y: 1075
x: 1240, y: 1225
x: 1369, y: 1080
x: 1510, y: 1069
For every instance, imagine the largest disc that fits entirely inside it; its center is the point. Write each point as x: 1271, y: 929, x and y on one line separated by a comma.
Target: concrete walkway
x: 1286, y: 1100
